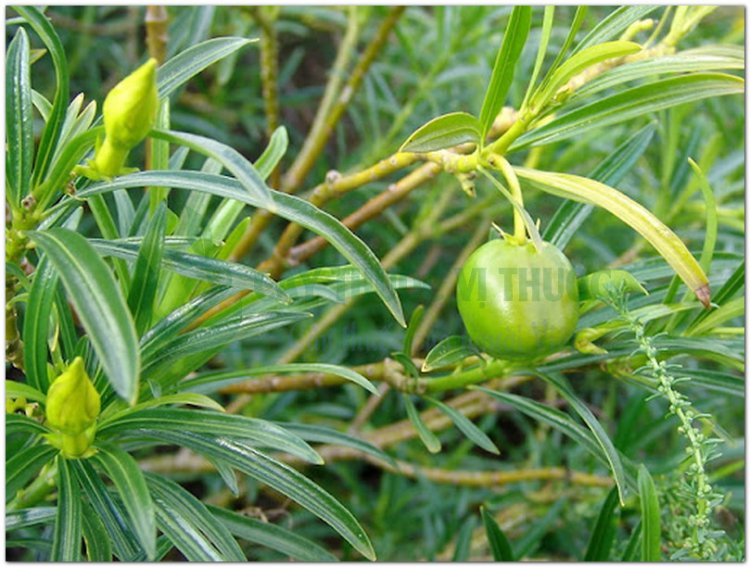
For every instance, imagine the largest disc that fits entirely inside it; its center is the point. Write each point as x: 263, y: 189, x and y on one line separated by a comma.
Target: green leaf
x: 128, y: 479
x: 181, y: 68
x: 19, y: 120
x: 197, y: 400
x: 48, y: 142
x: 557, y: 419
x: 272, y: 536
x: 629, y: 104
x: 146, y: 273
x: 125, y: 544
x: 499, y: 544
x: 212, y: 381
x: 428, y: 438
x: 570, y: 215
x: 287, y: 206
x: 549, y: 17
x: 462, y: 548
x: 64, y: 162
x: 228, y: 157
x: 36, y: 324
x: 27, y: 517
x: 712, y: 222
x: 15, y: 389
x: 98, y: 546
x: 448, y: 352
x: 414, y: 321
x: 631, y: 551
x: 579, y: 63
x: 603, y: 535
x: 640, y: 219
x: 24, y: 465
x: 19, y: 423
x: 273, y: 153
x: 190, y: 525
x: 99, y: 303
x: 650, y: 517
x: 605, y: 443
x: 613, y: 25
x: 199, y: 267
x: 66, y: 538
x: 732, y: 286
x: 464, y: 424
x: 321, y: 434
x: 573, y: 30
x: 281, y: 478
x: 256, y: 432
x: 701, y: 59
x: 444, y: 132
x: 216, y: 336
x: 507, y: 58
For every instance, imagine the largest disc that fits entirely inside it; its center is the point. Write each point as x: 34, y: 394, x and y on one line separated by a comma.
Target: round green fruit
x: 518, y: 302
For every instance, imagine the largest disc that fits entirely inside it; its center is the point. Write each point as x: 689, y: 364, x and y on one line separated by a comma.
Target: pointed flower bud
x: 129, y: 113
x: 130, y: 107
x: 72, y: 408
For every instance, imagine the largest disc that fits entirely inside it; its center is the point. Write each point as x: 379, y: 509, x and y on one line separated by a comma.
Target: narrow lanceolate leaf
x: 444, y: 132
x: 19, y: 120
x: 514, y: 40
x: 271, y: 536
x: 227, y: 156
x: 212, y: 381
x: 603, y: 534
x: 322, y: 434
x: 179, y: 69
x: 629, y: 104
x: 273, y: 153
x: 712, y: 58
x: 66, y: 538
x: 98, y: 546
x: 613, y: 25
x: 428, y: 438
x: 199, y: 267
x: 650, y: 517
x: 48, y: 141
x: 579, y: 63
x: 147, y: 270
x: 570, y: 215
x: 281, y: 478
x: 465, y: 425
x: 257, y: 432
x: 447, y: 352
x: 640, y: 219
x: 99, y: 498
x: 499, y: 544
x: 287, y: 206
x: 37, y: 322
x: 24, y: 465
x: 607, y: 447
x: 210, y: 540
x: 219, y: 335
x: 128, y: 479
x: 15, y: 389
x: 99, y: 303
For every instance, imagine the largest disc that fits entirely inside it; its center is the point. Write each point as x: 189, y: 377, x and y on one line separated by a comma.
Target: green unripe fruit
x: 518, y: 302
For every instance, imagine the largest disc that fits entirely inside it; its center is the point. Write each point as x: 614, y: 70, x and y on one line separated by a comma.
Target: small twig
x: 265, y: 16
x: 157, y: 32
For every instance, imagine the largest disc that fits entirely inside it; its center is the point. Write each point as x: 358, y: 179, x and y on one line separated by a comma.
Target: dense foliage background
x: 545, y: 489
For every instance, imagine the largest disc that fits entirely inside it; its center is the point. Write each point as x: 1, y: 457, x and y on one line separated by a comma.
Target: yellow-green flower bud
x: 129, y: 113
x: 130, y: 107
x: 72, y: 408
